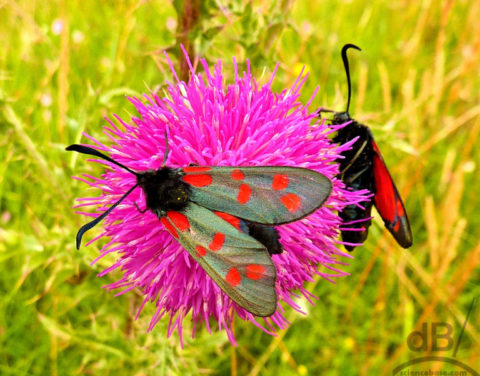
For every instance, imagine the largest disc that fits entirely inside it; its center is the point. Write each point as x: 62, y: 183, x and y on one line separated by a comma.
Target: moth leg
x: 141, y: 211
x: 319, y: 112
x: 354, y: 177
x: 324, y: 110
x: 355, y: 157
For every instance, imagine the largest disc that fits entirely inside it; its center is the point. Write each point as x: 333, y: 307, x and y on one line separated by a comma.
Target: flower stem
x: 189, y: 13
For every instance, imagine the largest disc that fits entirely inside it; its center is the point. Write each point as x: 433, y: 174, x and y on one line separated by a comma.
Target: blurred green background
x: 66, y: 65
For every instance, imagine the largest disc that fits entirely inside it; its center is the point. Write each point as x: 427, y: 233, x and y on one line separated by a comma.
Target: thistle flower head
x: 213, y: 123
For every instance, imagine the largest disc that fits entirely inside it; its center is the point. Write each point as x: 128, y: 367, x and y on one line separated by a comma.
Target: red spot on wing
x: 233, y: 277
x: 396, y: 226
x: 291, y: 201
x: 201, y: 180
x: 244, y: 194
x: 201, y: 251
x: 255, y: 271
x: 234, y: 221
x: 280, y: 182
x: 196, y: 169
x: 238, y: 175
x: 169, y: 227
x: 400, y: 213
x: 179, y: 220
x: 217, y: 242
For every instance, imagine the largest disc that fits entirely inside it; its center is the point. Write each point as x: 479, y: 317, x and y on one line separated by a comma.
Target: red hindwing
x: 388, y: 201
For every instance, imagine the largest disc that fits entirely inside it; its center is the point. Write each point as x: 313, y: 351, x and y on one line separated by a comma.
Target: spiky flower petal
x: 213, y: 123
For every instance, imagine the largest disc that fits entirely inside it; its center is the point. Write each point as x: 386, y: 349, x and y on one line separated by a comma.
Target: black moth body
x: 357, y: 167
x: 267, y: 235
x: 363, y: 167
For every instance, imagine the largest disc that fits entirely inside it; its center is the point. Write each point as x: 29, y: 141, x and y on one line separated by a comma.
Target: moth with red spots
x: 224, y: 217
x: 363, y: 167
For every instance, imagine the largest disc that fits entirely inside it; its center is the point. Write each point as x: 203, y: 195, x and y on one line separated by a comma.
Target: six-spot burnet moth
x: 363, y: 167
x: 224, y: 217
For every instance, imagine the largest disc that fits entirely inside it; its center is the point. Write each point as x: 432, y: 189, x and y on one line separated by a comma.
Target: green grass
x: 416, y: 83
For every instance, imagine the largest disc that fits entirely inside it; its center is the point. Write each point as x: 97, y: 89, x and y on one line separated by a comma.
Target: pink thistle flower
x: 212, y: 123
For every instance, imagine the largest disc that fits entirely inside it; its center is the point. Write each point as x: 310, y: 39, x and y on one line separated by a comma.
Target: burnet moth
x: 363, y: 167
x: 224, y: 217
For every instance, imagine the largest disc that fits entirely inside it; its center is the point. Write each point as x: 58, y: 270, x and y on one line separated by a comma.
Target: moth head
x: 90, y: 151
x: 164, y: 190
x: 341, y: 117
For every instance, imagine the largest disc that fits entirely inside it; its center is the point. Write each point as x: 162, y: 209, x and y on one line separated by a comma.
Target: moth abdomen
x: 267, y: 235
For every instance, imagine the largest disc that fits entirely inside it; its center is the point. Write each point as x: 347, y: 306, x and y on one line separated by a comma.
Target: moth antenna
x: 93, y: 223
x: 165, y: 156
x: 88, y: 150
x: 347, y: 69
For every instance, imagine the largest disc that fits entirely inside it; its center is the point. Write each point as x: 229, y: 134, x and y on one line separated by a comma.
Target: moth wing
x: 388, y: 201
x: 239, y: 264
x: 267, y: 195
